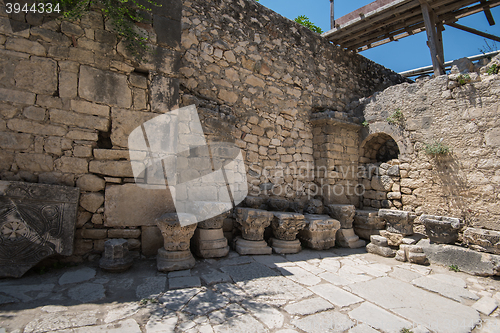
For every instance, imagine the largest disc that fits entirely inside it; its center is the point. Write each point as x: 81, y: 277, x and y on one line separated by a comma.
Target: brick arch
x: 371, y: 146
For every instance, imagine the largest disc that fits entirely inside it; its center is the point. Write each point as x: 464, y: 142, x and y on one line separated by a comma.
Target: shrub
x: 436, y: 148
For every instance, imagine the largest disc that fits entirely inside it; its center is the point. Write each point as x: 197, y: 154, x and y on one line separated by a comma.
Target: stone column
x: 116, y: 256
x: 345, y: 236
x: 252, y: 223
x: 175, y: 254
x: 319, y: 232
x: 285, y: 229
x: 209, y: 240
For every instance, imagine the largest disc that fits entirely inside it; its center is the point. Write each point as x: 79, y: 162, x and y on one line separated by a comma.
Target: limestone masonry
x: 319, y: 126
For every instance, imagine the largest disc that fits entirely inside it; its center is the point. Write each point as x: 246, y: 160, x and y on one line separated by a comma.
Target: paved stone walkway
x: 339, y: 290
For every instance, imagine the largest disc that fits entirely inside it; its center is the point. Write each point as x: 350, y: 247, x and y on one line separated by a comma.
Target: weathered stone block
x: 124, y: 122
x: 91, y: 201
x: 38, y: 75
x: 398, y: 221
x: 116, y: 256
x: 78, y: 120
x: 28, y: 126
x: 164, y: 93
x: 343, y: 213
x: 94, y: 233
x: 320, y: 232
x: 72, y: 165
x: 168, y: 31
x: 287, y: 225
x: 124, y: 233
x: 36, y: 221
x: 133, y: 205
x: 347, y: 238
x: 441, y: 229
x: 285, y: 246
x: 278, y: 205
x: 15, y: 141
x: 252, y: 222
x: 90, y: 183
x: 209, y: 243
x: 382, y: 183
x: 379, y: 240
x: 34, y: 113
x: 367, y: 223
x: 314, y: 206
x: 482, y: 240
x: 111, y: 168
x: 104, y: 87
x: 380, y: 250
x: 34, y: 162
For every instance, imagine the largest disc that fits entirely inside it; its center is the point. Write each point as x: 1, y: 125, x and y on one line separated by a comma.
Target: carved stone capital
x: 287, y: 225
x: 252, y: 222
x: 175, y: 236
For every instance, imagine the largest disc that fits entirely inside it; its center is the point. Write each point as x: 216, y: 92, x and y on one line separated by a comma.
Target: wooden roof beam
x: 487, y: 13
x: 474, y: 31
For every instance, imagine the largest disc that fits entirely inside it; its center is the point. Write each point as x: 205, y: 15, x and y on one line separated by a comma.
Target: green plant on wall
x: 463, y: 79
x: 493, y: 69
x: 396, y: 118
x: 365, y: 123
x: 122, y: 14
x: 304, y: 20
x: 437, y: 148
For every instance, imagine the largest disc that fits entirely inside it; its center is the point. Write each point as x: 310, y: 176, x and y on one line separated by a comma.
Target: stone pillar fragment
x: 116, y: 256
x: 285, y: 228
x: 209, y: 240
x: 345, y: 215
x: 252, y: 223
x: 398, y: 221
x: 441, y: 229
x: 367, y: 223
x: 379, y: 246
x: 412, y: 253
x: 175, y: 254
x: 319, y: 232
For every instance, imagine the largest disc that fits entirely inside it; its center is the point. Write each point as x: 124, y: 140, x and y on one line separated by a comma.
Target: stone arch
x: 379, y: 147
x: 383, y: 131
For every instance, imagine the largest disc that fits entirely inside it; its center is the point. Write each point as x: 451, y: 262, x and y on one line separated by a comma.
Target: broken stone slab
x: 285, y: 246
x: 319, y: 232
x: 383, y: 251
x: 255, y: 202
x: 445, y: 286
x: 210, y: 243
x: 347, y: 238
x: 343, y: 213
x: 441, y: 229
x: 36, y: 221
x: 116, y: 256
x: 287, y: 225
x: 250, y: 247
x: 467, y: 260
x: 398, y: 221
x: 367, y: 223
x: 252, y: 222
x: 486, y: 305
x: 482, y: 240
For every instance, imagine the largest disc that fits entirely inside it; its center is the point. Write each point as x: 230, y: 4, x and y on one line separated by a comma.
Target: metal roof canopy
x: 383, y: 21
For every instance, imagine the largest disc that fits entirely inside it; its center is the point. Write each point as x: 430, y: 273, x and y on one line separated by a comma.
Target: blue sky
x: 408, y: 53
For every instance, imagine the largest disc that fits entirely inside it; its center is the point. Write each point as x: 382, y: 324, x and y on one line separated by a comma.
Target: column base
x: 116, y: 265
x: 285, y: 247
x: 248, y: 247
x: 167, y: 261
x: 347, y: 238
x: 210, y: 243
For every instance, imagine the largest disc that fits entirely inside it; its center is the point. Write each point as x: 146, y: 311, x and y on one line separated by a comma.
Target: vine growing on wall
x: 123, y: 16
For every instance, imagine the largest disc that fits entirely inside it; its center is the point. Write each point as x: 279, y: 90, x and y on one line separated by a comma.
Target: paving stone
x: 308, y: 306
x: 176, y: 299
x: 450, y: 279
x: 123, y: 311
x: 418, y: 306
x: 362, y: 328
x: 335, y: 295
x: 165, y: 324
x: 304, y: 255
x: 271, y: 261
x: 486, y: 305
x: 60, y: 321
x: 310, y: 267
x: 373, y: 270
x: 378, y: 318
x: 270, y: 316
x: 186, y: 272
x: 184, y: 282
x: 221, y: 316
x: 489, y: 325
x: 151, y: 287
x: 87, y: 292
x: 457, y: 293
x: 244, y: 324
x: 331, y: 265
x: 247, y: 272
x: 231, y: 291
x: 27, y: 293
x: 80, y: 275
x: 215, y: 277
x: 236, y: 260
x: 328, y: 321
x: 300, y: 275
x: 335, y: 279
x: 275, y: 290
x: 126, y: 326
x: 205, y: 302
x: 405, y: 275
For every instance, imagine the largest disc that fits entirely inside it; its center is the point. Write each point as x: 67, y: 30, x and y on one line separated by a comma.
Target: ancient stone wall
x: 71, y: 93
x: 464, y: 183
x: 258, y: 77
